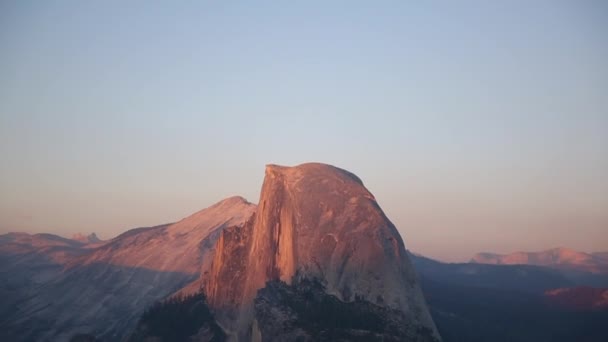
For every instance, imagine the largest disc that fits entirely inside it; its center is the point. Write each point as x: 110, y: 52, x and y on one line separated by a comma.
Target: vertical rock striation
x: 314, y: 221
x: 104, y: 290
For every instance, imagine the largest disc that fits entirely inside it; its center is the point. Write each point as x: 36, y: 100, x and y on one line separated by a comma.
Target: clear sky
x: 479, y: 126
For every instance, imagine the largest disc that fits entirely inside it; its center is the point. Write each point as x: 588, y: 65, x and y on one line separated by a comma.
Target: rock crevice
x: 314, y: 221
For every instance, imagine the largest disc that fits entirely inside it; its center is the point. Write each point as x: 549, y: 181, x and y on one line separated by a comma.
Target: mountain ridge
x: 110, y: 286
x: 314, y: 221
x: 560, y: 257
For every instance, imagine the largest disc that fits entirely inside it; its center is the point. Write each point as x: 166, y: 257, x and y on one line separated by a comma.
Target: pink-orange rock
x: 314, y: 221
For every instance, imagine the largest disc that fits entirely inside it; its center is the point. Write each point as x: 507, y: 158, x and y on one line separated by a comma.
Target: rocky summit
x: 315, y: 260
x: 319, y: 223
x: 104, y: 290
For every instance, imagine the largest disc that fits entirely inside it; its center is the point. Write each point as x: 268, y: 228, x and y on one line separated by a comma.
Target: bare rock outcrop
x: 314, y: 221
x: 314, y: 224
x: 102, y: 291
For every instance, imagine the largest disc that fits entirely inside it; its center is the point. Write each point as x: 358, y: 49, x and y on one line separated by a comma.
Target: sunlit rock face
x: 314, y: 221
x: 104, y: 290
x: 315, y: 224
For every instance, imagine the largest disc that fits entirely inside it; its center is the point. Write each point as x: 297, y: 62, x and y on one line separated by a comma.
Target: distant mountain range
x: 524, y: 303
x: 316, y: 260
x: 578, y: 298
x: 560, y: 258
x: 104, y: 289
x: 45, y: 248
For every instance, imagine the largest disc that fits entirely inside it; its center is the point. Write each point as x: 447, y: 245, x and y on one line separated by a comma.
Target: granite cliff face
x: 313, y: 221
x: 87, y: 239
x: 317, y: 236
x: 104, y: 290
x: 28, y: 262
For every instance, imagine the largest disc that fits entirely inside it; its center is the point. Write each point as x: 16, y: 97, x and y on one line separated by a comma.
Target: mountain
x: 510, y: 303
x: 317, y: 244
x: 304, y: 311
x: 520, y: 278
x: 316, y: 260
x: 87, y: 239
x: 474, y: 314
x: 314, y: 223
x: 28, y: 262
x: 180, y: 318
x: 561, y: 258
x: 54, y: 247
x: 103, y: 291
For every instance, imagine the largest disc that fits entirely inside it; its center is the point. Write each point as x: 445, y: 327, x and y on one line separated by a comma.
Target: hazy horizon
x: 479, y: 127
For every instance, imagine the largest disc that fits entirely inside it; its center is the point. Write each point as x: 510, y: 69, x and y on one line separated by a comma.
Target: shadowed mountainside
x: 510, y: 303
x: 27, y: 262
x: 181, y: 318
x: 102, y: 291
x: 314, y: 221
x: 317, y: 256
x: 102, y: 300
x: 303, y: 311
x: 523, y: 278
x: 87, y: 239
x: 581, y: 298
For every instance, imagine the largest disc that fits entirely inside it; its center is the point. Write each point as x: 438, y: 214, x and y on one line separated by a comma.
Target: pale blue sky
x: 479, y: 126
